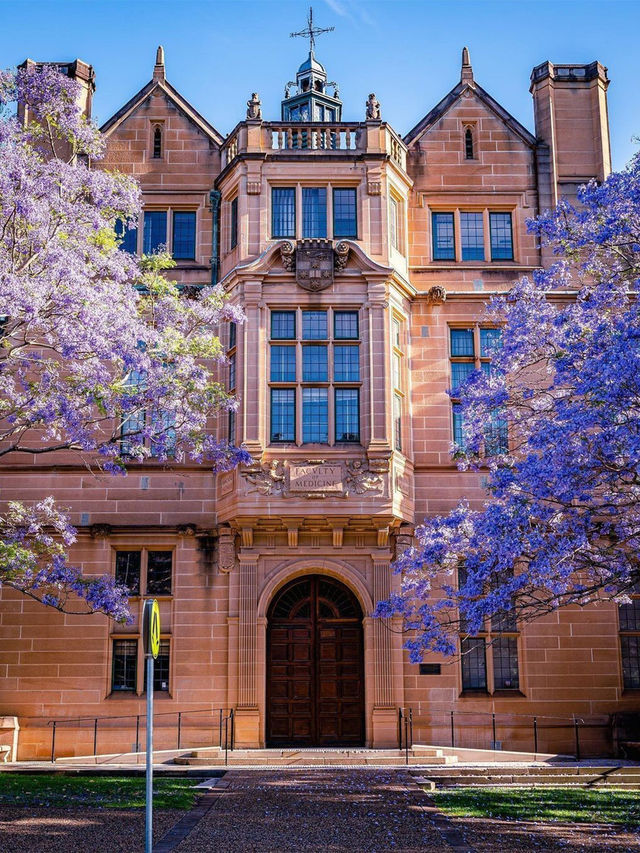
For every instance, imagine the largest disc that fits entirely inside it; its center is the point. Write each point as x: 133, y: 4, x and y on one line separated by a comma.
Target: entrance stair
x: 576, y: 775
x: 293, y: 757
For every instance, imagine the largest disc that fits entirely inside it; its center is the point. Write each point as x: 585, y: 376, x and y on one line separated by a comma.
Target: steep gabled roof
x: 159, y: 82
x: 468, y: 83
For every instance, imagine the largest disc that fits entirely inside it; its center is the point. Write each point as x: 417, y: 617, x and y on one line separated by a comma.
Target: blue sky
x: 406, y: 51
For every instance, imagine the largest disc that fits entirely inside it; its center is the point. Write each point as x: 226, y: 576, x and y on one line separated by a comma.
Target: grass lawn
x: 571, y: 805
x: 109, y: 792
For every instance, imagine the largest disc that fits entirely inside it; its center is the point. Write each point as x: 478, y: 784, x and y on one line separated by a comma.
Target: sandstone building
x: 362, y: 258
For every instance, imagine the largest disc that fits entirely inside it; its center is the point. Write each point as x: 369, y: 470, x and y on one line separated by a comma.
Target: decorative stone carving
x: 267, y: 479
x: 341, y: 256
x: 373, y: 108
x: 374, y: 187
x: 436, y: 295
x: 288, y: 256
x: 314, y: 264
x: 360, y: 479
x: 313, y: 478
x: 100, y: 531
x: 254, y: 187
x: 226, y: 550
x: 254, y: 108
x: 379, y: 464
x: 187, y: 530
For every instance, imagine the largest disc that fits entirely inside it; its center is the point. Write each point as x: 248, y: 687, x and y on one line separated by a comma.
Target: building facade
x: 362, y: 259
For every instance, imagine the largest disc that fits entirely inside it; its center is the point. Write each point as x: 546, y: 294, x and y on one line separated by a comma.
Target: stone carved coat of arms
x: 314, y: 264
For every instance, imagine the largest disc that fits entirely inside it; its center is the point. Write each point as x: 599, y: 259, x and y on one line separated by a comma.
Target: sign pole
x: 148, y: 844
x: 151, y: 634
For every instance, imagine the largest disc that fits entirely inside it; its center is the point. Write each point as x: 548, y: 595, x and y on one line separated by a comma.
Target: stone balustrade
x: 315, y: 138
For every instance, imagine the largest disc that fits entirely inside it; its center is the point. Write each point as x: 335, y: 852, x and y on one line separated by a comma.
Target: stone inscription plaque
x: 315, y: 478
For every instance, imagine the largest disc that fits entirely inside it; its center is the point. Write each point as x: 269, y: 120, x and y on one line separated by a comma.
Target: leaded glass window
x: 314, y: 363
x: 444, y: 248
x: 160, y: 669
x: 283, y: 414
x: 128, y: 565
x: 233, y: 242
x: 283, y: 363
x: 128, y: 236
x: 184, y: 235
x: 345, y: 325
x: 501, y: 236
x: 345, y: 220
x: 630, y: 648
x: 159, y: 568
x: 314, y: 325
x: 474, y: 663
x: 155, y: 231
x: 347, y: 402
x: 283, y: 325
x: 283, y: 212
x: 505, y: 663
x: 124, y: 669
x: 314, y: 212
x: 472, y: 236
x: 315, y: 415
x: 346, y: 363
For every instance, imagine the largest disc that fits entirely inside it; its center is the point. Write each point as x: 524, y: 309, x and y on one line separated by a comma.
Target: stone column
x: 253, y: 358
x: 385, y: 720
x: 247, y: 715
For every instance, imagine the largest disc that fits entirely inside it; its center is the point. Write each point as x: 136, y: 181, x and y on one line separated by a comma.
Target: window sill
x: 510, y: 693
x: 474, y: 692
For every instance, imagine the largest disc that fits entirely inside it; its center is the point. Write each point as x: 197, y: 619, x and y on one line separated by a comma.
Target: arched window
x: 157, y: 143
x: 468, y: 144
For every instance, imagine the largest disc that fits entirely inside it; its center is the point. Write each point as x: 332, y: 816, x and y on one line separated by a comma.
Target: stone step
x: 262, y: 758
x: 524, y: 782
x: 543, y: 770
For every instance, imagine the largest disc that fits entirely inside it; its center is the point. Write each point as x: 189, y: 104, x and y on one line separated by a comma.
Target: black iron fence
x: 579, y: 736
x: 116, y: 735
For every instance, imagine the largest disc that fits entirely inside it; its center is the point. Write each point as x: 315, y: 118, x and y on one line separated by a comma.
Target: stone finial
x: 373, y: 108
x: 466, y: 74
x: 254, y: 108
x: 158, y: 70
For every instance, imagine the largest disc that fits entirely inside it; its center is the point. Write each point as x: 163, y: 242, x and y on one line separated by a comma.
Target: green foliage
x: 570, y: 805
x: 105, y: 792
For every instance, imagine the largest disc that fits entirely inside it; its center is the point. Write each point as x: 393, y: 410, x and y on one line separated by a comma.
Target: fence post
x: 493, y: 730
x: 399, y: 728
x: 576, y: 726
x: 406, y: 738
x: 137, y: 734
x: 179, y: 727
x: 95, y: 736
x: 535, y: 735
x: 220, y: 728
x: 233, y: 730
x: 453, y: 735
x: 226, y: 739
x: 53, y: 742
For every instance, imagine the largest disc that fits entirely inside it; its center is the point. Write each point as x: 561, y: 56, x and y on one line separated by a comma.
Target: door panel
x: 315, y: 666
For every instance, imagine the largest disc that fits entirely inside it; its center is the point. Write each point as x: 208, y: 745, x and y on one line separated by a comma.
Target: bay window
x: 314, y: 376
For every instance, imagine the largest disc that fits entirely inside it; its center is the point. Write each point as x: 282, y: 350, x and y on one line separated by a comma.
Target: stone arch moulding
x: 351, y: 578
x: 333, y: 568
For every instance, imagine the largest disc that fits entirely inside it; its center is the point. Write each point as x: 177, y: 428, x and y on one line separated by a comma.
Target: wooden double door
x: 315, y: 665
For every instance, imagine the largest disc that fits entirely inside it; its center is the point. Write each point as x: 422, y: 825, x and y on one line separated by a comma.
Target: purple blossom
x: 561, y: 523
x: 94, y: 341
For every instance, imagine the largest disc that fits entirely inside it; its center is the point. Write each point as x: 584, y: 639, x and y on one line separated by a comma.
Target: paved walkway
x: 337, y: 811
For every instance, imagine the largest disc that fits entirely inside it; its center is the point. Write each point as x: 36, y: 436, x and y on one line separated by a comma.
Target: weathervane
x: 311, y: 32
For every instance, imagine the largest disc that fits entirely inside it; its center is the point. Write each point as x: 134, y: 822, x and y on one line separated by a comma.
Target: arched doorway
x: 315, y: 665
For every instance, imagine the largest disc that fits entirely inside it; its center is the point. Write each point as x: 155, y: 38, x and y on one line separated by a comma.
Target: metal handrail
x: 218, y: 713
x: 406, y: 716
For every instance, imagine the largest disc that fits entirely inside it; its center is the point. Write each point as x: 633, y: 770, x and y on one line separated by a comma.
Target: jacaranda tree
x: 561, y: 523
x: 95, y: 344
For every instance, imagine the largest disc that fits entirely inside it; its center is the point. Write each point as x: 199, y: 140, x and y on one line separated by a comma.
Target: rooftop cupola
x: 307, y: 99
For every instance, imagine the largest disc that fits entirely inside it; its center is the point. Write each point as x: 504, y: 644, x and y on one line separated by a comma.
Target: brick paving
x: 318, y: 810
